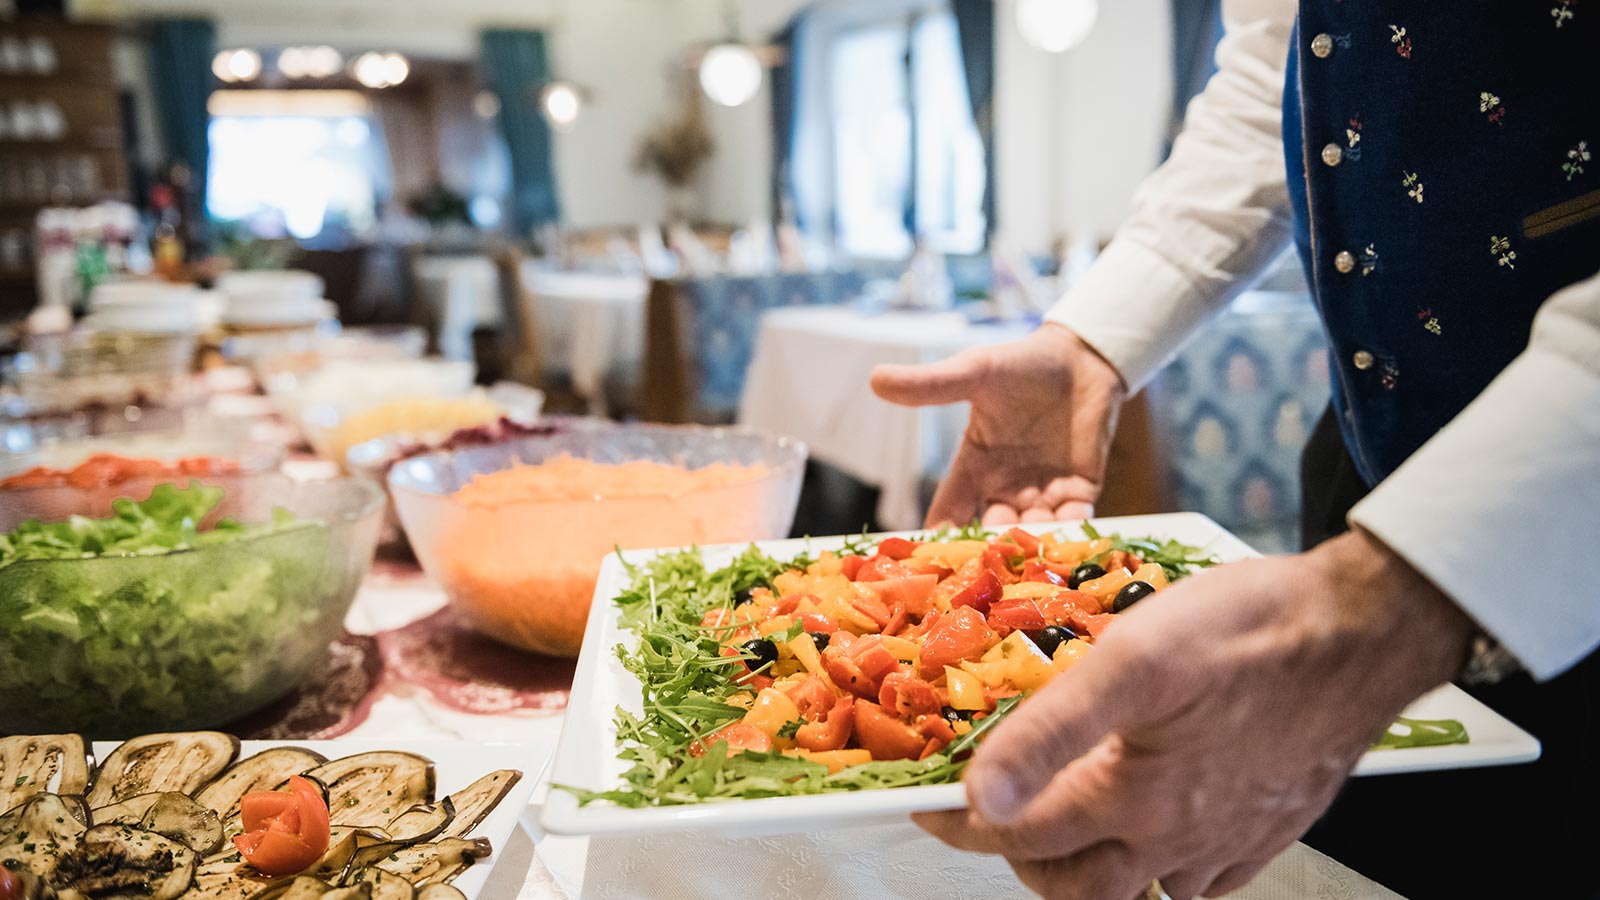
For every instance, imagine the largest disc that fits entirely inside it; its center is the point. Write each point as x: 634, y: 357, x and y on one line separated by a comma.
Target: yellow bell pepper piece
x: 1030, y: 590
x: 1068, y: 654
x: 835, y: 760
x: 1152, y: 574
x: 771, y: 711
x: 902, y: 648
x: 950, y: 554
x: 966, y: 691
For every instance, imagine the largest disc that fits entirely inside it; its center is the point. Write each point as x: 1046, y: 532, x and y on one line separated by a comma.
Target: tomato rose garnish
x: 284, y: 831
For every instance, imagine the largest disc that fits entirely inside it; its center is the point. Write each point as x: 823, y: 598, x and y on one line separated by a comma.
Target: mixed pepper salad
x: 877, y: 666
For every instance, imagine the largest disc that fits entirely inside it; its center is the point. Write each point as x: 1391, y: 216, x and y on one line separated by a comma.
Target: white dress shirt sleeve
x: 1210, y: 219
x: 1501, y: 509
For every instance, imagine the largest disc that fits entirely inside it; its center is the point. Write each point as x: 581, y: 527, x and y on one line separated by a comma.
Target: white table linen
x: 589, y: 323
x: 809, y: 378
x: 464, y: 294
x: 881, y: 863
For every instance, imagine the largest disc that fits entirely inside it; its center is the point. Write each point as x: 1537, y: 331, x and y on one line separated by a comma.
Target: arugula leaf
x: 1176, y: 558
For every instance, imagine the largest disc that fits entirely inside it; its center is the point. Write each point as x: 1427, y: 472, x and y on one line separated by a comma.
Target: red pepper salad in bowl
x: 878, y: 666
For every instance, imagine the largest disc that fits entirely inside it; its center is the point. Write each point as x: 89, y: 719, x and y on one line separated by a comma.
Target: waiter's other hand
x: 1043, y: 411
x: 1209, y: 727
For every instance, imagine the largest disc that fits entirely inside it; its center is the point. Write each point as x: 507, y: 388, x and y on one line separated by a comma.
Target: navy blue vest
x: 1444, y: 166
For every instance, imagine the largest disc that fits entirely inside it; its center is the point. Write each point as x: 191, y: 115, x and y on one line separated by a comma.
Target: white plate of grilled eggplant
x: 153, y: 818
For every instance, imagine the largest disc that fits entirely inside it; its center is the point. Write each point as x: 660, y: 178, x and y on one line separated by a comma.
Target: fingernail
x: 995, y: 796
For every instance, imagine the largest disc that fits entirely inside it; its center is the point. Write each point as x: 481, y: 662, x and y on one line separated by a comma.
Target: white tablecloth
x: 882, y: 863
x: 464, y: 294
x: 809, y: 378
x: 590, y: 324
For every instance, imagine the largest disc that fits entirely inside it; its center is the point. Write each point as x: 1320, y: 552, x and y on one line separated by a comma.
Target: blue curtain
x: 975, y: 24
x: 1196, y: 29
x: 516, y: 66
x: 181, y: 51
x: 783, y: 119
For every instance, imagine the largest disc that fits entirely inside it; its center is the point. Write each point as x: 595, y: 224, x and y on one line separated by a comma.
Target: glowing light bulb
x: 1056, y: 26
x: 730, y: 74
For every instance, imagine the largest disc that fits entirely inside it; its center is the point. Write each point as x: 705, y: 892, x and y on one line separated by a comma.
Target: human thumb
x: 1063, y: 721
x: 951, y: 380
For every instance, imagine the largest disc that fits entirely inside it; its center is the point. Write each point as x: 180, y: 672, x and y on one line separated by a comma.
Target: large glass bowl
x: 116, y: 646
x: 524, y: 571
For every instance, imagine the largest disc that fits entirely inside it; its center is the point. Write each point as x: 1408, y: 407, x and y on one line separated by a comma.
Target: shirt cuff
x: 1134, y: 308
x: 1501, y: 509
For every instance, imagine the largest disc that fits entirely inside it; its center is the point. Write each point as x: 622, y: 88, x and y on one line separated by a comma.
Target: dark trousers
x: 1530, y: 831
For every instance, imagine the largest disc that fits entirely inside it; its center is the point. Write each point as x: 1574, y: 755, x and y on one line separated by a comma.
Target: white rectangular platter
x: 456, y: 764
x: 586, y: 756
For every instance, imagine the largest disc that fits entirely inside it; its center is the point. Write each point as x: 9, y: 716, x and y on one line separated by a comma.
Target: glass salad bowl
x: 189, y: 610
x: 515, y: 532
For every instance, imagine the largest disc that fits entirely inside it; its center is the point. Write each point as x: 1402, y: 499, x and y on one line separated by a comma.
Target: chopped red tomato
x: 851, y: 565
x: 914, y: 593
x: 882, y: 568
x: 908, y: 696
x: 860, y: 668
x: 817, y: 622
x: 788, y: 604
x: 1122, y: 559
x: 1021, y: 614
x: 740, y: 736
x: 874, y: 609
x: 885, y: 736
x: 1060, y: 608
x: 831, y: 731
x: 1028, y: 543
x: 998, y: 560
x: 935, y: 727
x: 284, y: 831
x: 1044, y: 572
x: 972, y: 585
x: 1091, y: 624
x: 897, y: 548
x: 961, y: 635
x: 812, y: 697
x: 10, y: 885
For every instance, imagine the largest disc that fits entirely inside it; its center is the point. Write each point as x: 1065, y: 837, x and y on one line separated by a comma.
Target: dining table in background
x: 462, y: 293
x: 589, y: 324
x: 809, y: 378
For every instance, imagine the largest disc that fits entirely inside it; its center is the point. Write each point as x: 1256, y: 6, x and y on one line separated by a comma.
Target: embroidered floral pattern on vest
x: 1410, y: 181
x: 1369, y: 260
x: 1490, y: 103
x: 1391, y: 375
x: 1562, y: 12
x: 1576, y: 157
x: 1430, y: 322
x: 1401, y: 42
x: 1352, y: 137
x: 1501, y: 247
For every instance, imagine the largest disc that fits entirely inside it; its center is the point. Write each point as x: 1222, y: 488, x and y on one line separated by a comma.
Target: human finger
x: 1000, y: 514
x: 1067, y: 817
x: 1186, y: 884
x: 960, y: 495
x: 1234, y: 877
x: 950, y: 380
x: 1076, y: 509
x: 1106, y: 871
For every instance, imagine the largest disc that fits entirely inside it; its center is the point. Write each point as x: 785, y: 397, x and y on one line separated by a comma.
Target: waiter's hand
x: 1043, y: 411
x: 1209, y: 727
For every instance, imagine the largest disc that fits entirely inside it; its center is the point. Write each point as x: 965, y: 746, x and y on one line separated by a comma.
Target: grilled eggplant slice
x: 361, y: 787
x: 387, y: 885
x: 170, y: 814
x: 441, y: 861
x: 300, y: 887
x: 422, y: 822
x: 265, y: 771
x: 476, y: 800
x: 179, y: 762
x: 121, y: 862
x: 41, y: 764
x: 225, y: 877
x: 344, y: 843
x: 37, y: 835
x: 437, y: 891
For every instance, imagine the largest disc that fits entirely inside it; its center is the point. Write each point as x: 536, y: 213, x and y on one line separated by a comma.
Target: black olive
x: 1050, y: 637
x: 742, y: 596
x: 1085, y: 572
x: 953, y: 715
x: 820, y: 638
x: 764, y: 651
x: 1131, y: 593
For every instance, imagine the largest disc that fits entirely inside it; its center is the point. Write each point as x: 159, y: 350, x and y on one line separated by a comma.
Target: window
x: 907, y: 160
x: 301, y: 163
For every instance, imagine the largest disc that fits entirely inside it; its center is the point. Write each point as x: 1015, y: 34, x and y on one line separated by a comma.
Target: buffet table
x: 898, y: 861
x: 809, y: 378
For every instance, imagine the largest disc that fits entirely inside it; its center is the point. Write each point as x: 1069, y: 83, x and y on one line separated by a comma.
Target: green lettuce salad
x: 117, y: 624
